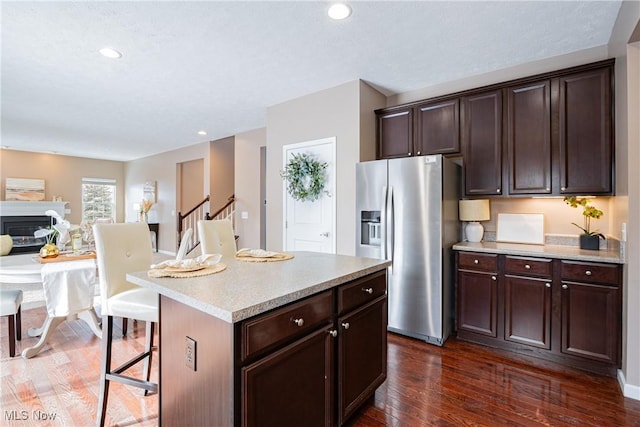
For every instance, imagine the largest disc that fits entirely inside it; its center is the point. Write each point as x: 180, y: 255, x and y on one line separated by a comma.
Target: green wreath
x: 305, y: 177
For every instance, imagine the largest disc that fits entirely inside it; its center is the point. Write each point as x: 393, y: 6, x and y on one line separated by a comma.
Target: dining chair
x: 10, y: 307
x: 120, y: 249
x: 217, y: 237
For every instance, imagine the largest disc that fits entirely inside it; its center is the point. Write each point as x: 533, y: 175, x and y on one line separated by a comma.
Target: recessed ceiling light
x: 110, y: 53
x: 202, y: 132
x: 339, y: 11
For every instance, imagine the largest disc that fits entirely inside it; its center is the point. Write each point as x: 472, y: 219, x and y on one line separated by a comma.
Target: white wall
x: 247, y: 186
x: 332, y: 112
x: 627, y: 204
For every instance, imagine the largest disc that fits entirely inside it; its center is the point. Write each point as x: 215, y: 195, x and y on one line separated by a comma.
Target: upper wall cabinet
x: 586, y: 132
x: 550, y: 134
x: 428, y: 128
x: 482, y: 141
x: 437, y: 130
x: 395, y: 133
x: 528, y: 138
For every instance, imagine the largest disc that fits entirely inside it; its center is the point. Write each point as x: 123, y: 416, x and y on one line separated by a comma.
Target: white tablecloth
x: 68, y: 286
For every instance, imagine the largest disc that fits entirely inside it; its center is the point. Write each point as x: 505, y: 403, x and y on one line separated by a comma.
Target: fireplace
x: 21, y: 219
x: 21, y: 229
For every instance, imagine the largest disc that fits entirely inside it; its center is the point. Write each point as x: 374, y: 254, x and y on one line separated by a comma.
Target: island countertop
x: 245, y: 289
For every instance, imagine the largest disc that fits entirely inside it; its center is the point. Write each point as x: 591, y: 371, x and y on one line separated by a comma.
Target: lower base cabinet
x: 569, y: 312
x: 291, y: 386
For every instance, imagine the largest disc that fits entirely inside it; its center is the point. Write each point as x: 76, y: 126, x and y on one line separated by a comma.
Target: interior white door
x: 310, y: 225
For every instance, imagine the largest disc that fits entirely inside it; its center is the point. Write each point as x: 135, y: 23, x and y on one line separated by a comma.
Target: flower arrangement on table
x: 590, y: 238
x: 145, y: 207
x: 305, y: 177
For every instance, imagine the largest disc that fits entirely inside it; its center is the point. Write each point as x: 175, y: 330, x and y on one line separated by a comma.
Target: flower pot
x: 589, y: 242
x: 49, y: 250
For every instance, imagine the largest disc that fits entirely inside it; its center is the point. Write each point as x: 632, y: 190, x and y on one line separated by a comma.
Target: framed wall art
x: 24, y: 190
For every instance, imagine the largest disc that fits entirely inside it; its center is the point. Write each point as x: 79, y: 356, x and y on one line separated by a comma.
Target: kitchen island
x: 273, y: 343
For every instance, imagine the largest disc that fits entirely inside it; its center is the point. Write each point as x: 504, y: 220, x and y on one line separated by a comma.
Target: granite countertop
x: 246, y: 289
x: 547, y: 251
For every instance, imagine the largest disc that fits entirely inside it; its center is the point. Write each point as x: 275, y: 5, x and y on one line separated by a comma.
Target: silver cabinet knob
x: 333, y: 333
x: 368, y: 290
x: 548, y: 285
x: 475, y: 261
x: 299, y: 321
x: 527, y: 266
x: 497, y: 190
x: 565, y: 286
x: 409, y: 153
x: 493, y: 278
x: 563, y: 188
x: 588, y: 273
x: 345, y: 325
x: 547, y: 189
x: 418, y: 153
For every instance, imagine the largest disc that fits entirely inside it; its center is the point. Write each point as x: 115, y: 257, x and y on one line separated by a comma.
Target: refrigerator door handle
x: 390, y: 224
x: 383, y: 224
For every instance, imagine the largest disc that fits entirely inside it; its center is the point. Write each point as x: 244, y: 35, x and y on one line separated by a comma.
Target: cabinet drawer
x: 528, y: 266
x: 478, y: 262
x: 267, y: 330
x: 361, y: 291
x: 589, y: 272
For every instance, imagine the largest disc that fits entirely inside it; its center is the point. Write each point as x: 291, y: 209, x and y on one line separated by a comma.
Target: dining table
x: 68, y: 283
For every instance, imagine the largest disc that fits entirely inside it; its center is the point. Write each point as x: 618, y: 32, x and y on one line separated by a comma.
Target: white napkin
x: 257, y: 253
x: 205, y: 260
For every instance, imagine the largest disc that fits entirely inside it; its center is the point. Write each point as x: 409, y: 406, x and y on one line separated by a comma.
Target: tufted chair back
x: 217, y: 237
x: 120, y: 248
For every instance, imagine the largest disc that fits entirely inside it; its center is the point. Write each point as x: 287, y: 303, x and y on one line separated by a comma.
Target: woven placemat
x: 282, y: 256
x: 160, y: 272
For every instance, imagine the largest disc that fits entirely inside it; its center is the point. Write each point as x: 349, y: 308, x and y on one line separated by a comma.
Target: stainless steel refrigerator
x: 407, y: 212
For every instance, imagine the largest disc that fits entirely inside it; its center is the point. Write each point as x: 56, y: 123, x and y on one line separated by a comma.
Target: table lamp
x: 473, y: 211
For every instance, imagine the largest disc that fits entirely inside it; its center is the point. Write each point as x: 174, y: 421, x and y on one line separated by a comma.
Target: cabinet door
x: 291, y: 387
x: 438, y: 126
x: 482, y: 142
x: 591, y: 321
x: 586, y: 133
x: 527, y: 311
x: 529, y: 138
x: 395, y: 134
x: 362, y: 356
x: 478, y: 303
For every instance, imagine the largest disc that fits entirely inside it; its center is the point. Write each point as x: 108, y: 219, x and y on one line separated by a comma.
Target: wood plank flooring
x: 460, y: 384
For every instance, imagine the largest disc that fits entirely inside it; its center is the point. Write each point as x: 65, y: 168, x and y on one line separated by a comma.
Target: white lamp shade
x: 474, y: 210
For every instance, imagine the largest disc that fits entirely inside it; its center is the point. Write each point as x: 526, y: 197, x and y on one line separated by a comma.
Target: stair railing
x: 190, y: 220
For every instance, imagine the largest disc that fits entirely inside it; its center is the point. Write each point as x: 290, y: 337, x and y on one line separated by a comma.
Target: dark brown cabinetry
x: 591, y: 315
x: 527, y: 301
x: 395, y: 133
x: 550, y: 134
x: 529, y: 138
x: 321, y: 378
x: 586, y: 132
x: 437, y: 130
x: 482, y: 141
x: 565, y: 311
x: 428, y: 128
x: 478, y: 293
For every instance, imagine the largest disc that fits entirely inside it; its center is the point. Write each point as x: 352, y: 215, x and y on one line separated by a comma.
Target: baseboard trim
x: 628, y: 390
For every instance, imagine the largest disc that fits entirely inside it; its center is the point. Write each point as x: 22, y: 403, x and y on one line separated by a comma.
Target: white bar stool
x: 10, y: 301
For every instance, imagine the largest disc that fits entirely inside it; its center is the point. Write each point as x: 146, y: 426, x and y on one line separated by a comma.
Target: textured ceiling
x: 218, y: 65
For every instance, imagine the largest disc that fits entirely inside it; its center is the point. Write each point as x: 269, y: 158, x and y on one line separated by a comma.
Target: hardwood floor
x: 459, y: 384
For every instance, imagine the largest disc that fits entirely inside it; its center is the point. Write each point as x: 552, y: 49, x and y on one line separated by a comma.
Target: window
x: 98, y: 198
